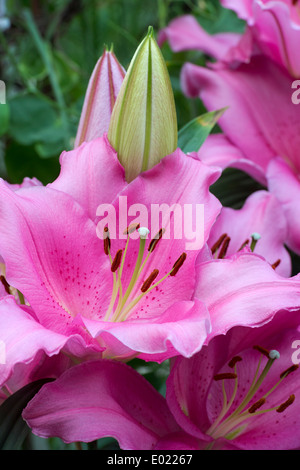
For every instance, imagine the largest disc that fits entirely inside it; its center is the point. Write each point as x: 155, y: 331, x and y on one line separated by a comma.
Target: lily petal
x: 137, y: 418
x: 285, y: 185
x: 91, y: 174
x: 244, y: 290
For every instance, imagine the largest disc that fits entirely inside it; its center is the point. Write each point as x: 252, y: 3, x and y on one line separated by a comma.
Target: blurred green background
x: 48, y: 53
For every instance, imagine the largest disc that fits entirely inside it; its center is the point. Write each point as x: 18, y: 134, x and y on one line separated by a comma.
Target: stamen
x: 177, y: 265
x: 276, y: 264
x: 117, y: 261
x: 218, y: 243
x: 5, y: 284
x: 256, y: 405
x: 264, y: 351
x: 106, y: 241
x: 289, y: 371
x: 224, y: 248
x: 131, y: 228
x: 225, y: 375
x: 233, y: 361
x: 254, y: 237
x: 149, y: 280
x: 244, y: 244
x: 155, y: 240
x: 284, y: 405
x: 294, y: 2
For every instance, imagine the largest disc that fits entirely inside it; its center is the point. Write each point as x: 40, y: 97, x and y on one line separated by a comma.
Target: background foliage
x: 47, y: 56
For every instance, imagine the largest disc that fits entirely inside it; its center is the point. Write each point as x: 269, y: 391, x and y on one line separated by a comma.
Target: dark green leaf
x: 233, y: 187
x: 13, y: 429
x: 31, y: 117
x: 193, y: 134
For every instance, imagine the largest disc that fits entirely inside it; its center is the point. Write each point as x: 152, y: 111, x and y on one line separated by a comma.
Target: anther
x: 156, y: 239
x: 218, y: 243
x: 5, y: 284
x: 277, y: 263
x: 288, y: 371
x: 224, y: 248
x: 131, y: 228
x: 284, y: 405
x: 117, y: 260
x: 225, y: 375
x: 233, y: 361
x: 264, y: 351
x: 106, y: 241
x: 256, y: 405
x: 177, y: 265
x: 243, y: 244
x: 149, y: 280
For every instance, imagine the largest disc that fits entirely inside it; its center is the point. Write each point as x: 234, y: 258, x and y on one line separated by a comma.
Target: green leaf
x: 194, y: 133
x: 13, y: 429
x: 4, y: 118
x: 22, y: 161
x: 30, y: 118
x: 233, y: 187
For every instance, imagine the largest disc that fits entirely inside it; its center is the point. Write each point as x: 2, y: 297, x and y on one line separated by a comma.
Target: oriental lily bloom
x: 242, y: 387
x: 254, y: 90
x: 117, y: 306
x: 239, y: 392
x: 275, y: 26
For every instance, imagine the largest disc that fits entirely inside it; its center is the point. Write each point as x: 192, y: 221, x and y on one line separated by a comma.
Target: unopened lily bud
x: 101, y: 95
x: 143, y: 126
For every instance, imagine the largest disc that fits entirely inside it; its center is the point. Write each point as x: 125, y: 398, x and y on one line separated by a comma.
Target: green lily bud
x: 143, y: 126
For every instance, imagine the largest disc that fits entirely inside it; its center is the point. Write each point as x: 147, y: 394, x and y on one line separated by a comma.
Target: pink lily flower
x: 254, y: 90
x: 66, y: 271
x: 103, y: 88
x: 240, y: 392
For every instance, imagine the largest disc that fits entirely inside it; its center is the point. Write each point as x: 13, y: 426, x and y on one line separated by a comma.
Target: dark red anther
x: 257, y: 405
x: 234, y: 360
x: 288, y: 371
x: 224, y: 248
x: 117, y: 260
x: 218, y: 243
x: 106, y: 241
x: 284, y: 405
x: 131, y: 228
x: 149, y: 280
x: 262, y: 350
x: 225, y: 375
x: 155, y: 240
x: 5, y: 284
x: 277, y: 263
x: 177, y: 265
